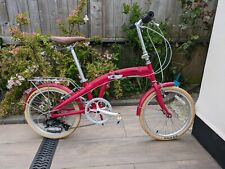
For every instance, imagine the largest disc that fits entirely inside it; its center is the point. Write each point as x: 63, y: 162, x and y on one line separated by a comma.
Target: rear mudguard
x: 150, y: 91
x: 27, y: 95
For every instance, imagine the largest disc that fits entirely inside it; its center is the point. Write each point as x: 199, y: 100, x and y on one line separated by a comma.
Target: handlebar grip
x: 132, y: 26
x: 148, y: 17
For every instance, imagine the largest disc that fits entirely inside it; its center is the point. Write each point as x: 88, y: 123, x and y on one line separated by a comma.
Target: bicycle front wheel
x: 37, y: 113
x: 157, y: 125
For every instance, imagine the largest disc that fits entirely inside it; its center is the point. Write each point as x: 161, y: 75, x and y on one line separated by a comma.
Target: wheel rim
x: 169, y: 128
x: 38, y: 108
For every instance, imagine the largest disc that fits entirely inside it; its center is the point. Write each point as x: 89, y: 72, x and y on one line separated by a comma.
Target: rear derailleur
x: 56, y: 125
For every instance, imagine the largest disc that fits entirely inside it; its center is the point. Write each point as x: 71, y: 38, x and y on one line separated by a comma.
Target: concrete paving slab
x: 17, y: 133
x: 99, y: 132
x: 187, y: 164
x: 18, y: 155
x: 129, y: 166
x: 132, y: 126
x: 124, y: 151
x: 130, y: 121
x: 18, y: 146
x: 112, y: 146
x: 126, y: 110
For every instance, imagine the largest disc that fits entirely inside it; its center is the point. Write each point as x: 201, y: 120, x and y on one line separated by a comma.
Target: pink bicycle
x: 54, y: 111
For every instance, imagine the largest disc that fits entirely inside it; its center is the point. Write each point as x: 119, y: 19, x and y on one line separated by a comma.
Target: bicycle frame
x: 104, y: 80
x: 50, y: 105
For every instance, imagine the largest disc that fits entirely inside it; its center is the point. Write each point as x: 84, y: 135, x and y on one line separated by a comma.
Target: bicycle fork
x: 159, y: 98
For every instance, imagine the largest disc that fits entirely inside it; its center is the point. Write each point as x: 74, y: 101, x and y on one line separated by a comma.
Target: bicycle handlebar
x: 147, y: 18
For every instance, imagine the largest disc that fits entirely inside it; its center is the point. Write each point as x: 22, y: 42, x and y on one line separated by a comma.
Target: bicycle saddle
x: 66, y: 40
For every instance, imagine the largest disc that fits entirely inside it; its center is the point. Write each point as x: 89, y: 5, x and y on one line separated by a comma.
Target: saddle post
x: 77, y: 63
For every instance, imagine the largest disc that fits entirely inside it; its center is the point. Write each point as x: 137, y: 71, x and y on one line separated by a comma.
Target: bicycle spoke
x: 161, y: 127
x: 37, y: 109
x: 37, y: 113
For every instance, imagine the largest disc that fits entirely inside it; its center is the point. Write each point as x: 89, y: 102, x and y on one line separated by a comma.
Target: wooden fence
x: 105, y: 16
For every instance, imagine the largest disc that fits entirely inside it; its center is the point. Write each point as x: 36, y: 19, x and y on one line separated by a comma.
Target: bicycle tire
x: 153, y: 120
x: 37, y: 99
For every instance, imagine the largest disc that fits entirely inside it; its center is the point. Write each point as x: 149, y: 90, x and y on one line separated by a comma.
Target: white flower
x: 18, y: 82
x: 207, y: 17
x: 109, y: 56
x: 9, y: 86
x: 15, y: 81
x: 86, y: 18
x: 87, y: 44
x: 20, y: 78
x: 10, y: 83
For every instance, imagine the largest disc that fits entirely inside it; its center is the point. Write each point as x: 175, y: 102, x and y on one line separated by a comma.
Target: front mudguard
x: 145, y: 96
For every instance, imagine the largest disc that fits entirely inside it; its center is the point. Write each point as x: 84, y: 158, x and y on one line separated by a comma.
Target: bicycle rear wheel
x: 157, y: 125
x: 38, y: 116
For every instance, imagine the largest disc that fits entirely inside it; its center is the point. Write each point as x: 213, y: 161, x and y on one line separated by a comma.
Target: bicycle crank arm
x: 107, y: 112
x: 119, y: 117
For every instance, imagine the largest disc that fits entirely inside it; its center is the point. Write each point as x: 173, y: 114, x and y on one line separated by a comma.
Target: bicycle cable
x: 157, y: 53
x: 165, y: 63
x: 170, y: 56
x: 170, y: 48
x: 167, y: 42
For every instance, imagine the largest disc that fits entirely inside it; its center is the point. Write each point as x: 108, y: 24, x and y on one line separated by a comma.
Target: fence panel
x: 3, y: 12
x: 96, y: 17
x: 106, y: 17
x: 22, y: 7
x: 4, y: 18
x: 34, y: 16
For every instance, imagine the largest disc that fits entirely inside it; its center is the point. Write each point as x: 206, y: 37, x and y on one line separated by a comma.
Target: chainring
x: 92, y: 110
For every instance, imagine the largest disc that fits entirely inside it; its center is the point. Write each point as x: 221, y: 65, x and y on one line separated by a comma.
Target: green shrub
x: 36, y: 56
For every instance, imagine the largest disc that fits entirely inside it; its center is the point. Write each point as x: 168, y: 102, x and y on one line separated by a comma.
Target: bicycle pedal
x: 119, y: 118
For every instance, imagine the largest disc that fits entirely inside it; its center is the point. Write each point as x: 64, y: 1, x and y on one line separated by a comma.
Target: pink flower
x: 15, y: 51
x: 71, y: 14
x: 28, y: 90
x: 58, y: 21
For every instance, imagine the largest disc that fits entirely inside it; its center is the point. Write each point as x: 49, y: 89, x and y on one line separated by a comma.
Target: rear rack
x: 59, y: 80
x: 35, y: 81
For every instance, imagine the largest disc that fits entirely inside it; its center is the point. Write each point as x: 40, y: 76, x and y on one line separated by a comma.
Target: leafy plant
x: 195, y: 24
x: 36, y: 56
x: 74, y: 19
x: 137, y: 85
x: 33, y: 57
x: 101, y: 65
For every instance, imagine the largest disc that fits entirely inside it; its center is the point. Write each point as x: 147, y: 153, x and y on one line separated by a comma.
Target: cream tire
x: 36, y: 128
x: 179, y: 94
